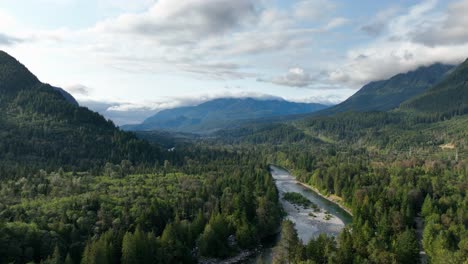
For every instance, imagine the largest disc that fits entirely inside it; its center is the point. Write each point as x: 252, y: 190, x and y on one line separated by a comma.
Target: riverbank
x: 242, y: 257
x: 309, y: 222
x: 326, y: 218
x: 315, y: 190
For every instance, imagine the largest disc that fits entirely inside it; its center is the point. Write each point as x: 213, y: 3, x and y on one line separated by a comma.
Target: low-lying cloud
x: 78, y: 89
x: 8, y: 40
x: 123, y: 113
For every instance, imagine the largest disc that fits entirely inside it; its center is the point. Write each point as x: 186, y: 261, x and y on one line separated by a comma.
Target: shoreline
x: 315, y: 190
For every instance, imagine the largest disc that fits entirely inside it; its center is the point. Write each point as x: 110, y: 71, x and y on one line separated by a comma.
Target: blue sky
x: 130, y: 59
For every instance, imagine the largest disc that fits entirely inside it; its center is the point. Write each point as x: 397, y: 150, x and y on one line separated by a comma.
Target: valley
x: 196, y: 185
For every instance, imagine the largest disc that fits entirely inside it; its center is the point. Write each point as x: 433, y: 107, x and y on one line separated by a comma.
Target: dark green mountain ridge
x: 447, y: 98
x: 389, y: 94
x: 43, y: 127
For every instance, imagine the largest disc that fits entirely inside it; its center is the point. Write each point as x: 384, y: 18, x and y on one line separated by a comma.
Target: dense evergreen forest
x: 128, y: 214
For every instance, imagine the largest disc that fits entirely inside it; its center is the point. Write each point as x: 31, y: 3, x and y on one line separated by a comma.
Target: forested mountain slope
x: 41, y: 128
x: 388, y: 94
x: 448, y: 98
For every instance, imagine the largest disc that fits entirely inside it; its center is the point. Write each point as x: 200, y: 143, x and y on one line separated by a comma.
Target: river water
x: 307, y: 226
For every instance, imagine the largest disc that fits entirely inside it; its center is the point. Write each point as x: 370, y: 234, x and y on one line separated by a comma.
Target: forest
x: 387, y: 199
x: 139, y: 215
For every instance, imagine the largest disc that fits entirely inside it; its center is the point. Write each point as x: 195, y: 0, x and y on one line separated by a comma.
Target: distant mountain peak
x: 221, y: 113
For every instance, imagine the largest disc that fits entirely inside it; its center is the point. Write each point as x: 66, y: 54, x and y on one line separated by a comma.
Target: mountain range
x: 43, y: 125
x: 222, y: 113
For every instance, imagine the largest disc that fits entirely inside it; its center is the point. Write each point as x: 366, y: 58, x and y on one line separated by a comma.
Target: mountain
x: 448, y: 98
x: 66, y: 95
x: 220, y: 113
x: 389, y: 94
x: 44, y: 127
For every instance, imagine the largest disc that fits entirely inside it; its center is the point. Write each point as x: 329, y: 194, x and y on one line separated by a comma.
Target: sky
x: 131, y: 59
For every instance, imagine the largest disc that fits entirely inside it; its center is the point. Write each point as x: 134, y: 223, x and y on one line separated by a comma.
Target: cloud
x: 134, y: 5
x: 313, y: 9
x: 78, y: 89
x: 379, y: 23
x: 182, y: 22
x: 450, y: 28
x: 411, y: 39
x: 296, y: 77
x: 207, y: 39
x: 326, y: 99
x: 336, y: 23
x: 135, y: 116
x: 8, y: 40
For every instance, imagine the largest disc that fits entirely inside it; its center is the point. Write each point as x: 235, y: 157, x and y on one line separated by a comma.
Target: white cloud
x: 8, y: 40
x: 125, y: 5
x: 78, y: 89
x: 326, y: 99
x: 296, y: 77
x: 450, y: 28
x: 336, y: 23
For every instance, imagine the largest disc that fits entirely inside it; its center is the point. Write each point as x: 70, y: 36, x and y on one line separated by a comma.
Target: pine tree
x: 68, y: 259
x: 427, y: 207
x: 129, y: 249
x: 407, y: 248
x: 287, y: 251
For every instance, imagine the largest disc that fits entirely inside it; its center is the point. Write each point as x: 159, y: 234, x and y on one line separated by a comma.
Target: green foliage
x: 156, y: 215
x: 298, y: 199
x: 406, y: 247
x: 214, y: 240
x: 289, y: 247
x: 138, y: 247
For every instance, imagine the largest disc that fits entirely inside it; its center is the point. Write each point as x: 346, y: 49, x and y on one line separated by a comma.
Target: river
x: 307, y: 226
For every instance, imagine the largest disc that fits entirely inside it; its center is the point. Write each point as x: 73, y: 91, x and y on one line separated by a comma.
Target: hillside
x: 45, y: 129
x: 221, y: 113
x: 446, y: 99
x: 389, y: 94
